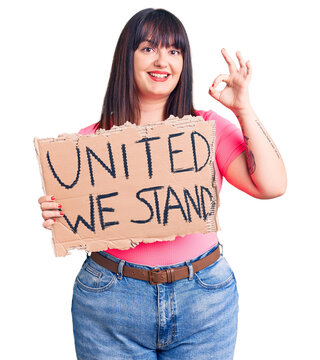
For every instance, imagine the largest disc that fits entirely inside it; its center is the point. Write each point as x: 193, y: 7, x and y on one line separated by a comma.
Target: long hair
x: 121, y: 101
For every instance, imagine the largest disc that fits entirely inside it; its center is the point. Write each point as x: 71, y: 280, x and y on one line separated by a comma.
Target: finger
x: 46, y: 198
x: 221, y: 78
x: 212, y: 90
x: 49, y: 214
x: 241, y: 62
x: 48, y: 224
x: 50, y: 206
x: 249, y: 67
x: 230, y: 62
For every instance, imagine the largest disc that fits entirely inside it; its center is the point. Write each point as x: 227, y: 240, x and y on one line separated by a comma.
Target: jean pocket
x: 215, y: 276
x: 95, y: 278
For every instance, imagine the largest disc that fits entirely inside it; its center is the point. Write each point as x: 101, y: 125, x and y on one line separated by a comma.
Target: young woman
x: 186, y: 309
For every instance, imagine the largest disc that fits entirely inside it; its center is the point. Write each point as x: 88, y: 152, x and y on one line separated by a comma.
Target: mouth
x: 158, y: 75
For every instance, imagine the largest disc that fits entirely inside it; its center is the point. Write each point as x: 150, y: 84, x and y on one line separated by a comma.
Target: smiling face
x: 157, y: 70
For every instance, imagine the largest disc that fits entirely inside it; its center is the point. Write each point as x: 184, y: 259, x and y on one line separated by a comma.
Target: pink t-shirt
x: 229, y: 144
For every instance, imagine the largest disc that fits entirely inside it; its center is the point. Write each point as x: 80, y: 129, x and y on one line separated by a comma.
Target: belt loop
x: 120, y: 268
x: 221, y: 251
x: 190, y: 267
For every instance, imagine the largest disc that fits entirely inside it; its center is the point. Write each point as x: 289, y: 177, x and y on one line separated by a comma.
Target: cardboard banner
x: 131, y: 184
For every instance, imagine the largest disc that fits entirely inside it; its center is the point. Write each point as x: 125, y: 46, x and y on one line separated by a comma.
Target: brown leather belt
x: 157, y: 276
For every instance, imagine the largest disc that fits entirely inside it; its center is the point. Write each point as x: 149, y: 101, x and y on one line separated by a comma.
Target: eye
x: 147, y: 49
x: 175, y: 52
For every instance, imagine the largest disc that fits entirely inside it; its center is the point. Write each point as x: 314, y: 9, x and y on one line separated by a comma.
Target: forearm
x: 264, y: 161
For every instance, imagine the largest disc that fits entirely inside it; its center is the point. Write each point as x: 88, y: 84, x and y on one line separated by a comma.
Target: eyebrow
x: 153, y: 44
x: 148, y: 41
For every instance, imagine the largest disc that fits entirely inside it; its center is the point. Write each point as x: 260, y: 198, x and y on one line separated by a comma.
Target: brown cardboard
x: 131, y: 184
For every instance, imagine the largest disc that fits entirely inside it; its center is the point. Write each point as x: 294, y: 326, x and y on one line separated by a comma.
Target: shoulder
x: 221, y: 122
x: 89, y: 129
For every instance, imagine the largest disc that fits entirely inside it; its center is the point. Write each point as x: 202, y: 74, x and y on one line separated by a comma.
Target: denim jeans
x: 117, y: 317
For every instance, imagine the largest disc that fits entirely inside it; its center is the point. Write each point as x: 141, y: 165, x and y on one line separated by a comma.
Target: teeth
x: 161, y: 76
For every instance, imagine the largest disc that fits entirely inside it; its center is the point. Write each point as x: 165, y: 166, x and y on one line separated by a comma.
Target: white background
x: 55, y: 63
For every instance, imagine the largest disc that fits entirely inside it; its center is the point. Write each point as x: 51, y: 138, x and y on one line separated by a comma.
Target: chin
x: 157, y: 94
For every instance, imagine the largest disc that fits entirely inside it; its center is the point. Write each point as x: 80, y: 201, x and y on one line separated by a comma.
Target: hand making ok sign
x: 235, y: 95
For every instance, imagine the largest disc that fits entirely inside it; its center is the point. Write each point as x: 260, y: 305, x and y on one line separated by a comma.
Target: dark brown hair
x: 121, y: 102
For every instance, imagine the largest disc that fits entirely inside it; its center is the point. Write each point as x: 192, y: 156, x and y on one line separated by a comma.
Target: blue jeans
x: 117, y: 317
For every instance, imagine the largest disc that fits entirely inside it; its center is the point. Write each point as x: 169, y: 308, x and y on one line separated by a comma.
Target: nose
x: 161, y: 58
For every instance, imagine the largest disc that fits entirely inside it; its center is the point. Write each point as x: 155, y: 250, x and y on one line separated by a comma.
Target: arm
x: 259, y: 171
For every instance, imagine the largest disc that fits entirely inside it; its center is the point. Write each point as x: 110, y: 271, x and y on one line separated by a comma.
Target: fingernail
x: 61, y: 213
x: 59, y: 206
x: 54, y: 220
x: 53, y: 198
x: 212, y: 85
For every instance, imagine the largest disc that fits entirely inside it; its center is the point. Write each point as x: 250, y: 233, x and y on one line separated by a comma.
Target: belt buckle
x: 150, y: 276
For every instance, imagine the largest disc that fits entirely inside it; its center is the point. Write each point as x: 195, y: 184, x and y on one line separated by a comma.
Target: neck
x: 151, y: 111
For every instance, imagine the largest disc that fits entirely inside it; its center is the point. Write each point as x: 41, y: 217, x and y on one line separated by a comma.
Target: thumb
x: 212, y: 90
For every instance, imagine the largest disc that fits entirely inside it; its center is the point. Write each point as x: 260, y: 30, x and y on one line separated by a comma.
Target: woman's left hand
x: 235, y: 95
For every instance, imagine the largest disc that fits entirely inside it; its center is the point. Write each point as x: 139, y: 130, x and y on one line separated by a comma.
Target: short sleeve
x: 91, y: 129
x: 229, y: 140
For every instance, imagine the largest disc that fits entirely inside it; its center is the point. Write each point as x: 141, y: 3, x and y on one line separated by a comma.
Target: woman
x: 115, y: 313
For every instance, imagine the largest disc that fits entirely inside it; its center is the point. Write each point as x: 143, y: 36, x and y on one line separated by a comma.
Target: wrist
x: 245, y: 113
